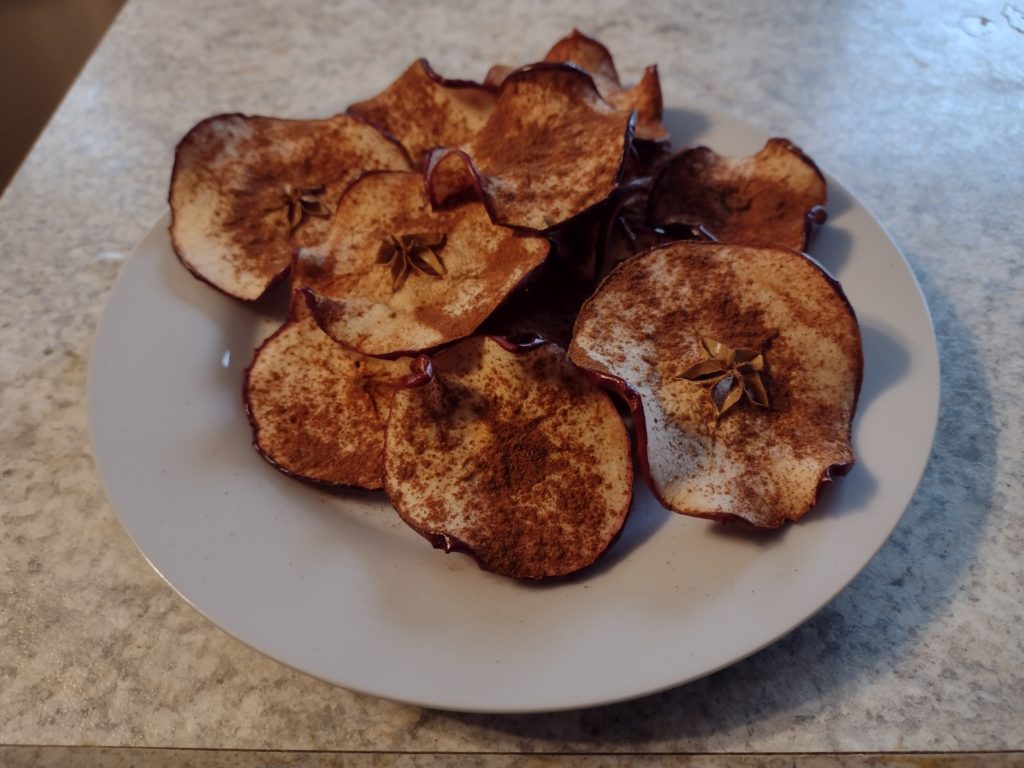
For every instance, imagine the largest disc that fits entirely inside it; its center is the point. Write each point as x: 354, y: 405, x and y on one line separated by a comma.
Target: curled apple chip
x: 511, y: 455
x: 742, y: 366
x: 394, y: 275
x: 551, y: 149
x: 246, y: 191
x: 318, y: 410
x: 595, y: 59
x: 773, y: 198
x: 424, y: 110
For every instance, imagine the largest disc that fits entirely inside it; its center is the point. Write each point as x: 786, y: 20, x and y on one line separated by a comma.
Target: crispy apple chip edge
x: 742, y: 367
x: 594, y: 58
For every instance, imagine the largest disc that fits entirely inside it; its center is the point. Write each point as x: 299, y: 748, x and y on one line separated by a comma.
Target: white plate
x: 336, y: 586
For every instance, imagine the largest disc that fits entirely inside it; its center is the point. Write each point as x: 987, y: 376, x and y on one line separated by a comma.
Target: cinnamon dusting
x: 765, y: 199
x: 762, y: 464
x: 518, y: 473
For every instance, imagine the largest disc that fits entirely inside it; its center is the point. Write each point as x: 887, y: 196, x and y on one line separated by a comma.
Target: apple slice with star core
x: 742, y: 367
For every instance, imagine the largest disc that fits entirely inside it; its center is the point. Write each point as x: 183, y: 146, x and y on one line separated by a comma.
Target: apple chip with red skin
x: 511, y: 455
x: 394, y: 275
x: 318, y: 410
x: 552, y: 149
x: 595, y: 59
x: 247, y: 191
x: 775, y: 197
x: 742, y: 366
x: 424, y: 110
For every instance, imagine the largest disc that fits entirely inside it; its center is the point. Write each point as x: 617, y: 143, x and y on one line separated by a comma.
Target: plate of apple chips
x: 515, y: 395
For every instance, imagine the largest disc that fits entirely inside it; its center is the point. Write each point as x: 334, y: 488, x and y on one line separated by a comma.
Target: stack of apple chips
x: 474, y: 267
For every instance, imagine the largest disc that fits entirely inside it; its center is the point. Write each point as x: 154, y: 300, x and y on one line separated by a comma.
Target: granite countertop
x: 917, y: 109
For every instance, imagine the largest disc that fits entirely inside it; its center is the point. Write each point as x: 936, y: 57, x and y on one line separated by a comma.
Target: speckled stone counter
x: 918, y: 109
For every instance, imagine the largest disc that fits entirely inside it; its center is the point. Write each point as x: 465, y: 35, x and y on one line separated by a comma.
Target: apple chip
x: 772, y: 198
x: 246, y: 191
x: 318, y: 410
x: 511, y: 455
x: 644, y: 97
x: 594, y: 58
x: 742, y: 366
x: 393, y: 275
x: 424, y: 110
x: 551, y: 149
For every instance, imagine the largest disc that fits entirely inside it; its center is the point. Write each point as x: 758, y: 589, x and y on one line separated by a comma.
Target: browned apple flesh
x: 318, y: 410
x: 511, y: 456
x: 246, y: 191
x: 743, y: 367
x: 424, y: 110
x: 775, y: 197
x: 551, y: 149
x: 394, y: 275
x: 594, y: 58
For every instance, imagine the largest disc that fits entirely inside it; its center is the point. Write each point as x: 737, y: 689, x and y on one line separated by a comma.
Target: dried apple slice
x: 318, y: 410
x: 551, y: 149
x: 742, y: 366
x: 595, y: 59
x: 424, y: 110
x: 775, y: 197
x: 394, y: 275
x: 511, y: 455
x: 246, y: 191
